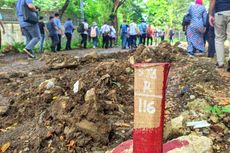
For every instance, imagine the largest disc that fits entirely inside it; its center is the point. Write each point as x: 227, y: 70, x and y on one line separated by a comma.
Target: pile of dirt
x: 148, y: 54
x: 85, y: 104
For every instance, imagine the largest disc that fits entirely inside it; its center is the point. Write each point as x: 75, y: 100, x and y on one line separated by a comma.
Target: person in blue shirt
x: 69, y: 28
x: 53, y: 33
x: 143, y: 32
x: 31, y: 31
x: 57, y: 22
x: 124, y: 34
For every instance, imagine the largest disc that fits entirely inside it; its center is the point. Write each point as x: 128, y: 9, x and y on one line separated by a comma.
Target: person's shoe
x: 28, y: 52
x: 199, y: 54
x: 218, y: 66
x: 228, y: 67
x: 190, y: 55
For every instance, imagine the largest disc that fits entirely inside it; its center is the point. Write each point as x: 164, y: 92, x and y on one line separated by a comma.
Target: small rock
x: 4, y: 105
x: 92, y: 55
x: 214, y: 119
x: 132, y: 60
x: 174, y: 128
x: 47, y: 85
x: 206, y: 131
x: 90, y: 95
x: 97, y: 132
x: 192, y: 97
x: 198, y: 105
x: 197, y: 144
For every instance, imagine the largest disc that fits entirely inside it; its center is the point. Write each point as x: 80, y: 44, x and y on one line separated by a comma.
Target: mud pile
x: 148, y: 54
x: 85, y: 104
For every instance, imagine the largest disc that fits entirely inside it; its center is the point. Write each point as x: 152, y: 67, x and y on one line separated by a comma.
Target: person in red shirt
x: 149, y: 35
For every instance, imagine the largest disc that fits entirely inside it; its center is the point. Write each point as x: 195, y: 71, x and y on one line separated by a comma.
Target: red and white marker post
x: 149, y: 106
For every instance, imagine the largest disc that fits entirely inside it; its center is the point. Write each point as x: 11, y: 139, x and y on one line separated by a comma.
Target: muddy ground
x: 39, y: 111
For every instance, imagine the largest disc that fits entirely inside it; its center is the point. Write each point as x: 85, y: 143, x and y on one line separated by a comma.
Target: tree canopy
x: 161, y: 13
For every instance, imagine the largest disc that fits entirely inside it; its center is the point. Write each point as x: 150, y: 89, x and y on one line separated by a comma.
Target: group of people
x: 213, y: 26
x: 34, y: 30
x: 143, y: 33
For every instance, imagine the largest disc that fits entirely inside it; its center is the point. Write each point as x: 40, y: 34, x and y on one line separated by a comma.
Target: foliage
x: 219, y: 110
x: 160, y: 13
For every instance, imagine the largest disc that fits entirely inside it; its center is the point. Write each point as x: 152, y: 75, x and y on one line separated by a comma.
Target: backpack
x: 186, y: 20
x: 80, y: 29
x: 93, y: 32
x: 124, y: 28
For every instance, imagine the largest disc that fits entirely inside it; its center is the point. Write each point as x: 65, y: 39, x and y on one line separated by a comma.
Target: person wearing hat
x: 94, y: 34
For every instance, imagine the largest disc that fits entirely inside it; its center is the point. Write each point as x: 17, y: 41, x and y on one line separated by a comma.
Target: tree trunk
x: 113, y: 15
x: 63, y: 9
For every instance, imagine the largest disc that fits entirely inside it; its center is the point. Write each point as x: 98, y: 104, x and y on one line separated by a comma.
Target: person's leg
x: 34, y: 33
x: 147, y: 41
x: 53, y: 47
x: 70, y: 41
x: 111, y: 42
x: 59, y: 43
x: 103, y: 41
x: 131, y: 41
x: 82, y: 40
x: 123, y: 43
x: 151, y: 40
x: 67, y: 41
x: 85, y: 40
x: 220, y: 32
x: 42, y: 39
x: 107, y: 41
x: 211, y: 43
x: 144, y: 38
x: 94, y: 42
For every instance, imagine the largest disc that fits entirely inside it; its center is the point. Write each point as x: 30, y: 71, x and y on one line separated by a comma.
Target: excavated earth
x: 64, y: 103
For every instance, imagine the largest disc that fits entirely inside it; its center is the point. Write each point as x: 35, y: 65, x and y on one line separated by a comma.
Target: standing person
x: 196, y: 29
x: 29, y: 29
x: 133, y: 34
x: 57, y: 22
x: 84, y: 33
x: 156, y: 34
x: 112, y: 36
x: 53, y: 34
x: 42, y: 28
x: 3, y: 30
x: 143, y: 32
x: 124, y: 34
x: 94, y: 34
x: 162, y: 35
x: 171, y: 34
x: 69, y: 28
x: 149, y: 35
x: 221, y: 16
x: 105, y: 30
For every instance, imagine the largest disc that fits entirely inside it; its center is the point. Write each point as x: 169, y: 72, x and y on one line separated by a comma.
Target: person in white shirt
x: 112, y: 36
x: 133, y: 34
x: 84, y: 34
x: 105, y: 31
